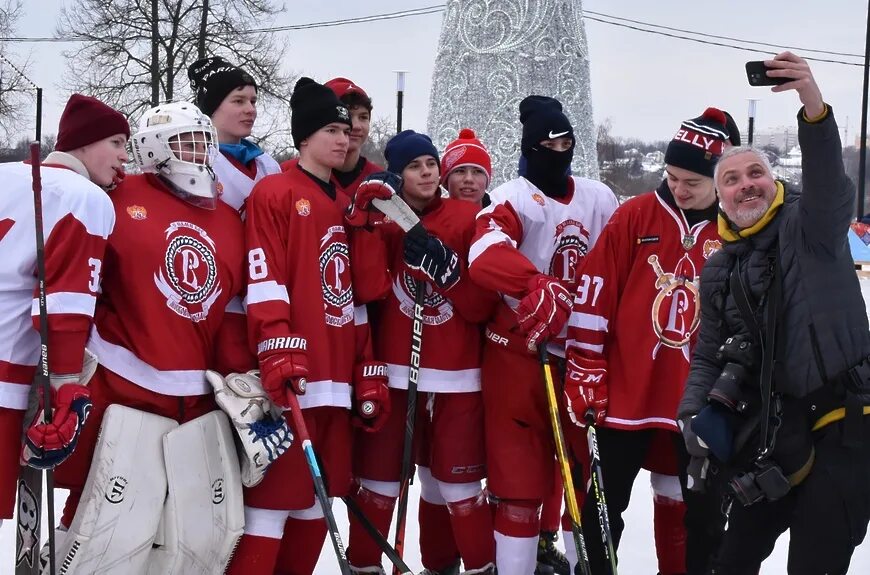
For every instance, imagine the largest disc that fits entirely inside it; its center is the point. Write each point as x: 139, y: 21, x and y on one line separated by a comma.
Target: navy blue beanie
x: 542, y: 119
x: 407, y: 145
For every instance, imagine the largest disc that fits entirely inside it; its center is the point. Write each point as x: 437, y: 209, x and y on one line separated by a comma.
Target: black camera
x: 765, y: 482
x: 740, y: 358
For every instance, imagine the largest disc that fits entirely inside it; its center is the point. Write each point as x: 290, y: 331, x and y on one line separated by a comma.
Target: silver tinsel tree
x: 494, y: 53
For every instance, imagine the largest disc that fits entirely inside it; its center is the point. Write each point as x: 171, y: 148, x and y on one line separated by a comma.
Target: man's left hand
x: 788, y: 65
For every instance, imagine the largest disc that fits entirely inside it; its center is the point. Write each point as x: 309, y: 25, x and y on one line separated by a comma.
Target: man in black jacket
x: 779, y: 385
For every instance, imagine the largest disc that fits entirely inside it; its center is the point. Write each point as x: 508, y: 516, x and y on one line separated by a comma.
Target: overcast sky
x: 644, y: 84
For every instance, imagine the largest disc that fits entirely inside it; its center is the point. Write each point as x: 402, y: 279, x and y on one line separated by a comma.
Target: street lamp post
x: 400, y: 94
x: 751, y: 133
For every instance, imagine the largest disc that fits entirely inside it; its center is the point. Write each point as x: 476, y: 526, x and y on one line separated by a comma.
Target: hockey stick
x: 397, y: 210
x: 598, y: 489
x: 564, y: 465
x: 29, y: 487
x: 319, y: 485
x: 377, y: 537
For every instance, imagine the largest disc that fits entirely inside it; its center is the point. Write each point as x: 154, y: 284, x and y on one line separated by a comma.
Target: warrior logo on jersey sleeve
x: 675, y: 310
x: 188, y: 278
x: 436, y: 309
x: 335, y: 277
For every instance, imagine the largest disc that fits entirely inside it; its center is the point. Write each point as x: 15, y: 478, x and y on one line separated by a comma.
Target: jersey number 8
x: 257, y: 264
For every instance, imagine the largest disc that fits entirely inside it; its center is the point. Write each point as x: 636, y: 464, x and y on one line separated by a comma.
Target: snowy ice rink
x: 636, y: 552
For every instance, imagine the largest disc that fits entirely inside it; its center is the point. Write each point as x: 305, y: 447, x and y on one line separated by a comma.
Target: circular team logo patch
x: 335, y: 277
x: 436, y: 308
x: 188, y: 278
x: 566, y: 258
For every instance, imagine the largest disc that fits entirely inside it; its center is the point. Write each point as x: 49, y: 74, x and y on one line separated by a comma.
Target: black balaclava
x: 547, y: 169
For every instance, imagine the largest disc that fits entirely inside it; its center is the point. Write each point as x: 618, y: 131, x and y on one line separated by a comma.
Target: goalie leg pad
x: 120, y: 507
x: 204, y: 516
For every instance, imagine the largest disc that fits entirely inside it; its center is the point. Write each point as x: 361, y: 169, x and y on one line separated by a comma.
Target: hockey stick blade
x: 397, y: 210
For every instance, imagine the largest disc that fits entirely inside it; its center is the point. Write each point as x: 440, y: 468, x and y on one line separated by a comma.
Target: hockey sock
x: 378, y: 508
x: 473, y: 530
x: 300, y: 547
x: 69, y: 508
x: 571, y: 551
x: 669, y: 513
x: 437, y: 546
x: 517, y: 526
x: 254, y: 555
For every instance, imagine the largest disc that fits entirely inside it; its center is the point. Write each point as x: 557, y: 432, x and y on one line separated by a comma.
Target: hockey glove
x: 381, y: 185
x: 694, y: 444
x: 585, y: 388
x: 283, y: 367
x: 262, y: 431
x: 432, y: 260
x: 47, y: 445
x: 371, y: 395
x: 543, y: 312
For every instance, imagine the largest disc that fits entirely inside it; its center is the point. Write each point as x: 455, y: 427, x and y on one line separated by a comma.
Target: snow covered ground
x: 636, y: 552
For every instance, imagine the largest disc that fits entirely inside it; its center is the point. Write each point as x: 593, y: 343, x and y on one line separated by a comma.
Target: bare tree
x: 382, y: 129
x: 16, y: 92
x: 135, y: 53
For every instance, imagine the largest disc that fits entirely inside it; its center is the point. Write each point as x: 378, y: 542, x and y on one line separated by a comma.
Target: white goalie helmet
x: 177, y: 142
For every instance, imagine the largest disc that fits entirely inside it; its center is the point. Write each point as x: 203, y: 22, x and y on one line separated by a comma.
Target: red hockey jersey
x: 523, y: 233
x: 450, y: 354
x: 172, y: 271
x: 299, y: 279
x: 77, y: 219
x: 349, y: 189
x: 637, y: 307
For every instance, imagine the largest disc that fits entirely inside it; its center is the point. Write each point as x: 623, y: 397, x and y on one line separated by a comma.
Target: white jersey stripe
x: 66, y: 302
x: 491, y: 238
x: 435, y: 380
x: 325, y: 393
x: 13, y: 395
x: 266, y: 291
x: 588, y: 321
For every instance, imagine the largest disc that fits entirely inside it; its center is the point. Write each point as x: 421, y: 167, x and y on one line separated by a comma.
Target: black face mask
x: 548, y: 170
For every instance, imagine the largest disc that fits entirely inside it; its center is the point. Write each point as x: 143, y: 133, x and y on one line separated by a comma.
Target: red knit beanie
x: 86, y: 120
x: 466, y: 150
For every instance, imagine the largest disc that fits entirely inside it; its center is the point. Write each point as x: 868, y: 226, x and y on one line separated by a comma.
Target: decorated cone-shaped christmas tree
x: 494, y: 53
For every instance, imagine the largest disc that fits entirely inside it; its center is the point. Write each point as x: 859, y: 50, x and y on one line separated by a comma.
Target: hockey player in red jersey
x: 528, y: 246
x: 449, y: 425
x: 77, y: 218
x: 228, y: 94
x: 634, y: 320
x: 309, y: 337
x: 356, y: 167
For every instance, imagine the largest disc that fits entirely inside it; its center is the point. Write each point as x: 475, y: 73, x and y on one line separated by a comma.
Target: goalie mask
x: 176, y: 141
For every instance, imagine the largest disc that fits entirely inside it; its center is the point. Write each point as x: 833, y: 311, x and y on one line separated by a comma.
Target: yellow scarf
x: 729, y: 235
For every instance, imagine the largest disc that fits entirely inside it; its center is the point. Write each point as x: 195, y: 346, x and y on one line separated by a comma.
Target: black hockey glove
x: 436, y: 262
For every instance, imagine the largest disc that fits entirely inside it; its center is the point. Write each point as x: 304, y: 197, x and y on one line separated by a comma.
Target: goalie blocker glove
x: 262, y: 432
x: 283, y: 367
x: 371, y: 395
x: 431, y: 259
x: 47, y: 445
x: 585, y: 388
x: 542, y: 314
x: 380, y: 185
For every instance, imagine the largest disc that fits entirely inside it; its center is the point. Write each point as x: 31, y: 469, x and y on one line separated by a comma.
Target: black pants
x: 827, y: 514
x: 622, y: 456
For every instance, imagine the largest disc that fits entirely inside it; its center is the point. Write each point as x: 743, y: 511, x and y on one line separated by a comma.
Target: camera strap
x: 767, y: 338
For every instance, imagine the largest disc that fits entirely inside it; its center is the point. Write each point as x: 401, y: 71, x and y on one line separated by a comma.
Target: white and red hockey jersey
x: 234, y: 183
x: 299, y: 279
x: 523, y: 233
x: 172, y: 272
x: 452, y: 319
x: 77, y: 219
x: 637, y: 307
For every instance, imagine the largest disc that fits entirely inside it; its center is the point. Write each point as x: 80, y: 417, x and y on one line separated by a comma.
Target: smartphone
x: 756, y: 73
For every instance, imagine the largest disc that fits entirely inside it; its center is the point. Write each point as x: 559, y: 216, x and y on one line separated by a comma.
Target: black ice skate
x: 551, y: 561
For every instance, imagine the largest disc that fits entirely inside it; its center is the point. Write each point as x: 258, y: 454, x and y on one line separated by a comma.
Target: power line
x: 587, y: 14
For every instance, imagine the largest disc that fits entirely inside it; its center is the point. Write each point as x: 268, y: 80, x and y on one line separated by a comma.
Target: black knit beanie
x: 542, y: 119
x: 314, y: 106
x: 212, y: 79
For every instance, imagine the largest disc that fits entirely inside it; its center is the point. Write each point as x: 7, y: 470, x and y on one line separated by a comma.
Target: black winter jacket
x: 823, y: 324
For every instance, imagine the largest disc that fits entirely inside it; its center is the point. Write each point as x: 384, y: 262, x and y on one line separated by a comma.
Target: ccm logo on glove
x: 295, y: 342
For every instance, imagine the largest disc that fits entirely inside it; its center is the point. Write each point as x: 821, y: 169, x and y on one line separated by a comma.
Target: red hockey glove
x: 543, y: 312
x: 381, y: 185
x: 47, y: 445
x: 371, y: 395
x: 585, y: 388
x: 283, y: 367
x: 430, y: 260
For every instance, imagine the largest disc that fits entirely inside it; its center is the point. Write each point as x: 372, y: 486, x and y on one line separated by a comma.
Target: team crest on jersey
x: 137, y: 212
x: 335, y: 277
x: 675, y: 309
x: 436, y: 309
x: 711, y: 247
x: 303, y: 207
x: 188, y: 278
x: 538, y: 198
